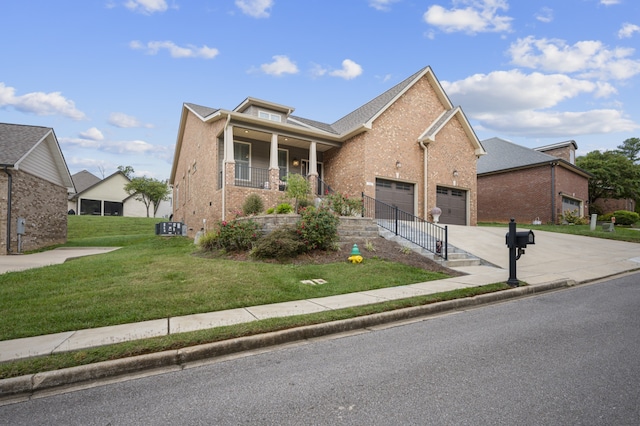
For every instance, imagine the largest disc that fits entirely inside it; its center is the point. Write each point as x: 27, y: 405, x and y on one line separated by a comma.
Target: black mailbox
x: 522, y: 239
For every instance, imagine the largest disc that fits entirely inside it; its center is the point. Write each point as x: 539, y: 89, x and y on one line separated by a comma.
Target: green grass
x: 622, y: 233
x: 182, y: 340
x: 153, y: 277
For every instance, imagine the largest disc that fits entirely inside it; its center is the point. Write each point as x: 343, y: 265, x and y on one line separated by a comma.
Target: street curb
x: 26, y: 386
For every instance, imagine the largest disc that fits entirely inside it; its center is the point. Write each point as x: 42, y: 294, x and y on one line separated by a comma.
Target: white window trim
x: 270, y: 116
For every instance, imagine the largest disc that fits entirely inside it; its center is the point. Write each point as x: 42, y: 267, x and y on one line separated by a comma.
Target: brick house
x: 530, y: 184
x: 34, y: 186
x: 408, y: 147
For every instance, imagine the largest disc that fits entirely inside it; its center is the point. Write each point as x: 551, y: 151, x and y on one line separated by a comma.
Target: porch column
x: 313, y: 168
x: 274, y: 169
x: 228, y: 144
x: 228, y: 166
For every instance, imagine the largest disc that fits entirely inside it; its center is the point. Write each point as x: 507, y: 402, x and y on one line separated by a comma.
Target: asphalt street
x: 564, y: 357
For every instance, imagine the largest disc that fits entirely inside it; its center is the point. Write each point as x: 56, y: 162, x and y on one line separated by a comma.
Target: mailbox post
x: 517, y: 242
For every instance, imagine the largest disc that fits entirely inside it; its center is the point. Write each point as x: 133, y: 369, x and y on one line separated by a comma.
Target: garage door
x: 453, y: 203
x: 394, y: 193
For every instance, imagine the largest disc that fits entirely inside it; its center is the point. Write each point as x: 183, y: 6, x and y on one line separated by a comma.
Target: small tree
x: 126, y: 170
x: 298, y: 188
x: 148, y: 190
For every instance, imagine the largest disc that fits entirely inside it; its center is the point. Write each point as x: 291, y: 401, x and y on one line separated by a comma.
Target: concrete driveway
x: 554, y: 255
x: 20, y: 262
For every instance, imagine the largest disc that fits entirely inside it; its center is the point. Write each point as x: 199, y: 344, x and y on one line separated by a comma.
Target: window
x: 242, y: 157
x: 457, y: 193
x: 270, y: 116
x: 403, y: 186
x: 443, y: 191
x: 383, y: 183
x: 283, y: 162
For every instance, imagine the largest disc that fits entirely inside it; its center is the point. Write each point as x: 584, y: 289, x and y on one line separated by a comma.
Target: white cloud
x: 124, y: 121
x: 93, y: 134
x: 515, y: 103
x: 559, y: 124
x: 507, y: 91
x: 382, y: 5
x: 545, y: 15
x: 255, y: 8
x: 79, y: 142
x: 40, y: 103
x: 350, y: 70
x: 190, y: 51
x: 627, y: 30
x: 146, y: 6
x: 609, y: 2
x: 281, y: 65
x: 588, y: 58
x: 478, y: 16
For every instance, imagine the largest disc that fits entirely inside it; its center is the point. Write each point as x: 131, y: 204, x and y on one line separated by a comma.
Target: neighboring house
x: 610, y: 205
x: 107, y: 197
x: 34, y: 185
x: 409, y: 147
x: 530, y: 184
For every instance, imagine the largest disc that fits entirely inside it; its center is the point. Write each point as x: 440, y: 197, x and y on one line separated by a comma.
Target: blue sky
x: 110, y: 76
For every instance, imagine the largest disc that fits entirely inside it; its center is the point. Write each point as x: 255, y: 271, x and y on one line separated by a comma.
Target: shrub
x: 252, y: 205
x: 573, y: 217
x: 284, y: 208
x: 318, y: 228
x: 283, y: 243
x: 271, y: 210
x: 232, y: 236
x: 626, y: 217
x: 343, y: 205
x: 298, y: 188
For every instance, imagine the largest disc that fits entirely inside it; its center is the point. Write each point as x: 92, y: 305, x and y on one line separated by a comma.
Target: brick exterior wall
x: 610, y: 205
x: 354, y: 167
x: 562, y: 152
x: 528, y: 194
x: 41, y: 203
x: 572, y: 185
x: 195, y: 194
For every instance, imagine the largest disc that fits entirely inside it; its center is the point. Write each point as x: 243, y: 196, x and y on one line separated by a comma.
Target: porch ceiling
x: 246, y: 133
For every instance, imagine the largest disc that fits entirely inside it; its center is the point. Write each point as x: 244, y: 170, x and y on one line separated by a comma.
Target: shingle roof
x: 371, y: 108
x: 505, y: 155
x: 202, y: 111
x: 84, y: 179
x: 16, y: 140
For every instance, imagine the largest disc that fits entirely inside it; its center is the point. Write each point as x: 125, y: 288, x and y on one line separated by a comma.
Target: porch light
x: 398, y: 164
x: 295, y: 162
x: 455, y: 173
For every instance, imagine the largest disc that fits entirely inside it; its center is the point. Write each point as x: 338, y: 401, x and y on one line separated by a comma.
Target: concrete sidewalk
x: 21, y: 262
x: 555, y: 259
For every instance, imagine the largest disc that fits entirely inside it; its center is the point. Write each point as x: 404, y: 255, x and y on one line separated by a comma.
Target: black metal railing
x: 427, y: 235
x: 324, y: 188
x: 251, y: 177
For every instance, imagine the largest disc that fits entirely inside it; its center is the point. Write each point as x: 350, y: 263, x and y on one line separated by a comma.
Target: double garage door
x: 453, y: 203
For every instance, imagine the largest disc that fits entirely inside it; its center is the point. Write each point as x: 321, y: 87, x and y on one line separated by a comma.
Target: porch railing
x: 427, y: 235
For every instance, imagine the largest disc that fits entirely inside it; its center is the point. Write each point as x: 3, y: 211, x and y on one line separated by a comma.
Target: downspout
x: 9, y: 184
x: 553, y: 193
x: 224, y: 166
x: 424, y: 183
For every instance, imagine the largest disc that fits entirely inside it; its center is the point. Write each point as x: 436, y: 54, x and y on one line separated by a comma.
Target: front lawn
x: 154, y: 277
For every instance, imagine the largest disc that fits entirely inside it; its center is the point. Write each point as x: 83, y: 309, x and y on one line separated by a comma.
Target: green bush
x: 318, y: 228
x: 231, y: 235
x: 284, y: 208
x: 573, y: 217
x: 343, y: 205
x: 270, y: 210
x: 283, y: 243
x: 626, y: 217
x: 253, y: 204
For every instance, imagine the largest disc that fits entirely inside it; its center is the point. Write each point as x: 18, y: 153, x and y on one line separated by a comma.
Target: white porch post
x: 273, y: 154
x: 313, y: 159
x: 228, y: 144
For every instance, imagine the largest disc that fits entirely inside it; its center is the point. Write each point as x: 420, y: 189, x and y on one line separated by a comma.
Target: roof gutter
x: 9, y: 184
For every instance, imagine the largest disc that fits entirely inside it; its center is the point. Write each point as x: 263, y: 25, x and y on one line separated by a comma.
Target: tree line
x: 616, y: 173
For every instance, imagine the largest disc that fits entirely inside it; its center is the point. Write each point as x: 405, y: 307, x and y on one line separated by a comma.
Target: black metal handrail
x: 429, y: 236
